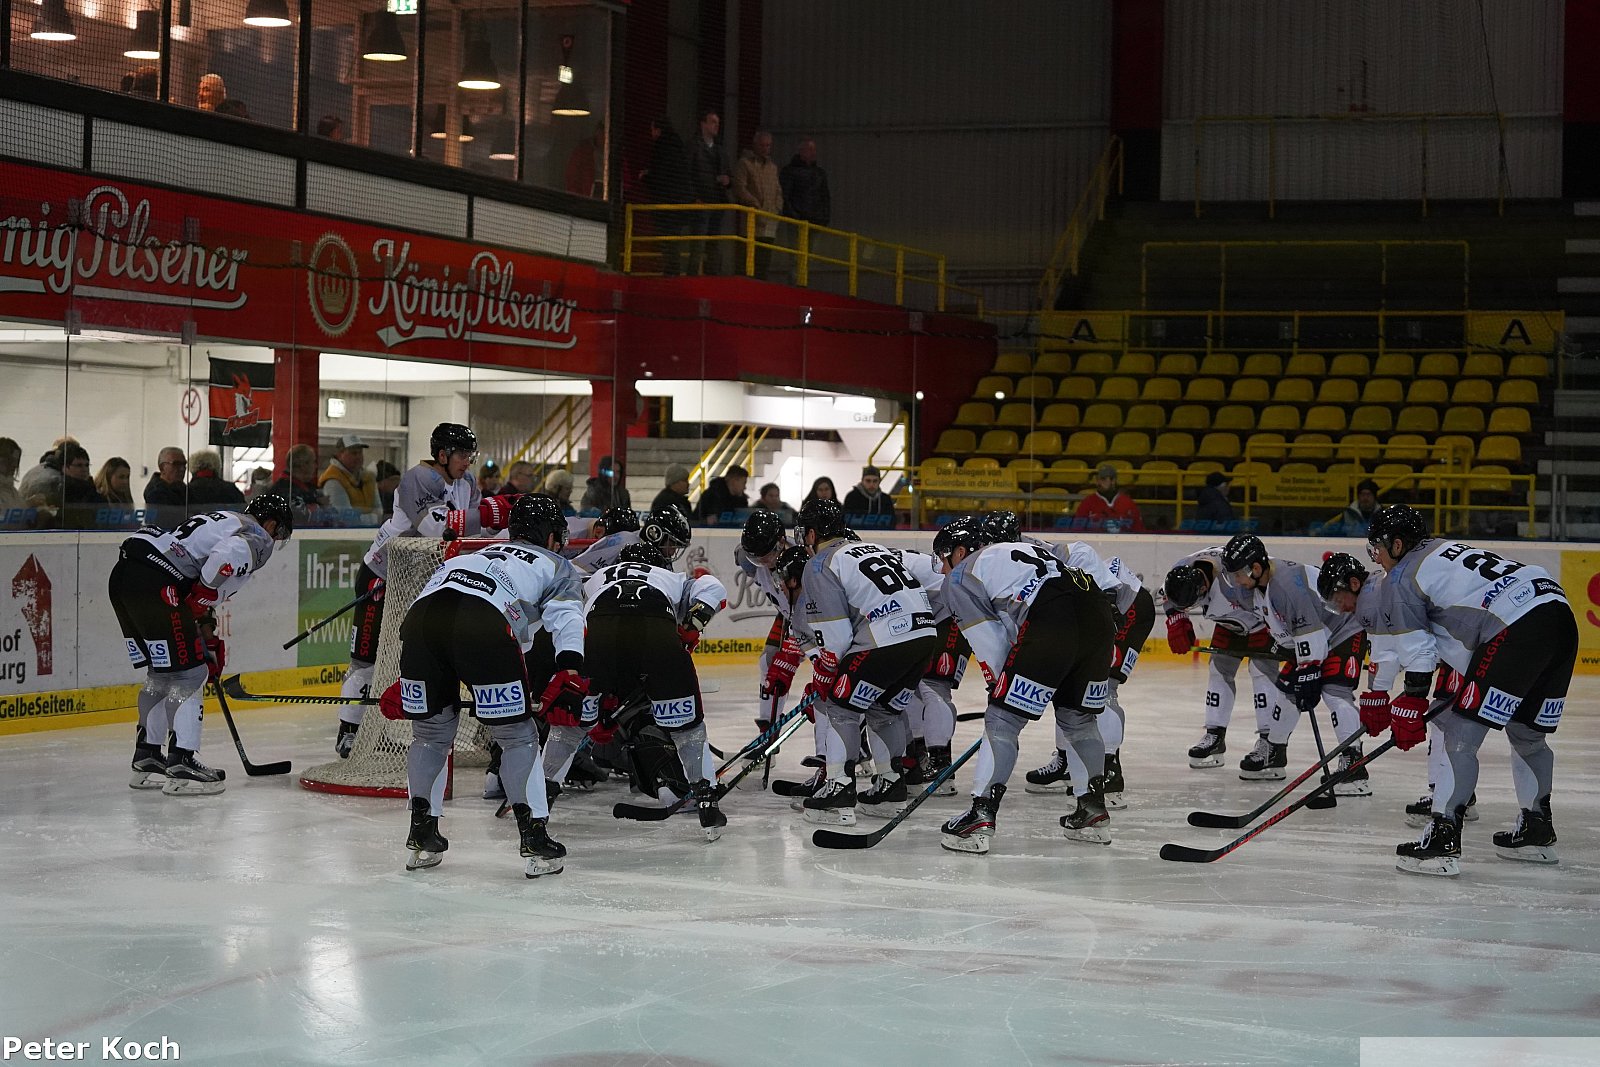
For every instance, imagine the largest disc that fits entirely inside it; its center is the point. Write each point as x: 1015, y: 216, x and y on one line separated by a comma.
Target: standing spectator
x: 346, y: 483
x: 10, y: 459
x: 675, y: 492
x: 1358, y: 515
x: 755, y: 184
x: 605, y: 490
x: 211, y: 93
x: 709, y: 180
x: 868, y: 497
x: 331, y: 127
x: 112, y: 482
x: 805, y: 189
x: 165, y: 494
x: 388, y: 477
x: 558, y: 484
x: 666, y: 181
x: 772, y: 501
x: 208, y: 489
x: 299, y: 484
x: 723, y: 495
x: 586, y: 165
x: 522, y: 477
x: 1109, y: 508
x: 1211, y: 503
x: 821, y: 489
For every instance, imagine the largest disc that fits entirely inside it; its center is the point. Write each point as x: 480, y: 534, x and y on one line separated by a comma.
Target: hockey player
x: 1522, y: 640
x: 1328, y: 648
x: 1042, y: 634
x: 931, y: 715
x: 1239, y: 634
x: 435, y: 496
x: 163, y: 589
x: 760, y: 545
x: 873, y: 626
x: 615, y: 529
x: 471, y: 625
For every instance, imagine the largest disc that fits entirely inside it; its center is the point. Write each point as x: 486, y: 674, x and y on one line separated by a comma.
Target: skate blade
x: 538, y: 867
x: 1471, y: 814
x: 1528, y: 853
x: 977, y: 845
x: 883, y: 811
x: 147, y: 780
x: 1353, y: 789
x: 1090, y: 835
x: 1115, y: 802
x: 831, y: 816
x: 1205, y: 761
x: 1049, y: 789
x: 712, y: 833
x: 1438, y: 866
x: 188, y: 787
x: 419, y: 859
x: 866, y: 769
x: 1270, y: 775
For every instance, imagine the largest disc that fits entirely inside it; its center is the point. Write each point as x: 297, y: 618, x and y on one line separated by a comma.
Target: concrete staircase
x: 1572, y: 467
x: 649, y: 458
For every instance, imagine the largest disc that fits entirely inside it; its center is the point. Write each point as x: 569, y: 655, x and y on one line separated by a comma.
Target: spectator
x: 586, y: 165
x: 260, y: 482
x: 79, y: 502
x: 558, y: 484
x: 868, y: 497
x: 1358, y: 515
x: 1108, y: 507
x: 331, y: 127
x: 165, y: 495
x: 10, y: 459
x: 708, y: 182
x: 773, y: 502
x: 346, y: 483
x: 208, y: 489
x: 42, y: 483
x: 299, y: 482
x: 723, y: 495
x: 210, y: 93
x: 144, y: 81
x: 676, y: 491
x: 233, y: 109
x: 112, y: 481
x: 755, y: 184
x: 489, y: 478
x: 388, y: 479
x: 821, y: 489
x: 605, y: 489
x: 522, y: 477
x: 805, y: 187
x: 666, y: 181
x: 1211, y: 503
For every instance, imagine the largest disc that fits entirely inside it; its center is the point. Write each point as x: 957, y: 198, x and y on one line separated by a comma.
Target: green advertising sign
x: 327, y: 583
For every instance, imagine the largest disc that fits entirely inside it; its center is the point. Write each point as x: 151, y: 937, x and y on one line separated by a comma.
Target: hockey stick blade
x: 254, y: 770
x: 1212, y: 820
x: 835, y: 839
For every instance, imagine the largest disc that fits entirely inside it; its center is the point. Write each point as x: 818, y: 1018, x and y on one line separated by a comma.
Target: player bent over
x: 163, y: 589
x: 614, y: 530
x: 1042, y: 633
x: 931, y: 715
x: 470, y: 625
x: 760, y: 545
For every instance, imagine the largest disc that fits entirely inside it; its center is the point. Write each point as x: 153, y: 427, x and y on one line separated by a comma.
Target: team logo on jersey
x: 673, y: 712
x: 499, y: 701
x: 160, y: 654
x: 1026, y: 695
x: 1496, y: 589
x: 169, y: 593
x: 864, y: 695
x: 888, y: 607
x: 225, y: 571
x: 1550, y: 713
x: 471, y: 581
x: 413, y: 697
x: 1499, y: 706
x: 1470, y: 695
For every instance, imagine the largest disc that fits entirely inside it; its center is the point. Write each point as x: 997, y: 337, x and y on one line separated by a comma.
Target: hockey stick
x: 357, y: 602
x: 254, y: 770
x: 1231, y: 653
x: 1185, y: 854
x: 1214, y: 821
x: 1328, y: 799
x: 234, y: 687
x: 835, y: 839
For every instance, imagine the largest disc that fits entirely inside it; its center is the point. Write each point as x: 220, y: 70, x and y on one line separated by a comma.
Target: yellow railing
x: 556, y: 442
x: 735, y: 444
x: 912, y: 268
x: 1090, y: 209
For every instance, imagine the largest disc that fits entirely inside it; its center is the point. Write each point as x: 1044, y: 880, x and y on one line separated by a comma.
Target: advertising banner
x: 327, y: 583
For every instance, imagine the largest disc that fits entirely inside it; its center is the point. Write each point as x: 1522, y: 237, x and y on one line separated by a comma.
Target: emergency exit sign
x: 402, y: 7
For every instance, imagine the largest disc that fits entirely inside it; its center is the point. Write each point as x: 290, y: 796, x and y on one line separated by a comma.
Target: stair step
x: 1578, y: 285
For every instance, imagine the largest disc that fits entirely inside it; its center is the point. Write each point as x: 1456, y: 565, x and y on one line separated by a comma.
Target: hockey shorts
x: 147, y: 598
x: 1231, y: 642
x: 1062, y: 657
x: 449, y: 639
x: 1522, y: 673
x: 623, y: 650
x: 367, y: 621
x: 884, y: 677
x: 1342, y: 667
x: 950, y: 660
x: 1128, y: 641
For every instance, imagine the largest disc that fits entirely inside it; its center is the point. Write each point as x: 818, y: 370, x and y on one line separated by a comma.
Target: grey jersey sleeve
x: 827, y: 611
x: 985, y: 629
x: 561, y: 608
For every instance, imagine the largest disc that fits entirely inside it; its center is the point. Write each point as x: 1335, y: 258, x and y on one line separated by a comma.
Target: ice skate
x: 188, y: 777
x: 711, y: 818
x: 149, y: 766
x: 1114, y: 783
x: 799, y: 790
x: 813, y: 762
x: 866, y: 768
x: 938, y: 763
x: 1420, y: 813
x: 1089, y: 822
x: 1354, y: 783
x: 971, y: 832
x: 834, y: 802
x: 544, y: 855
x: 1051, y: 779
x: 914, y: 765
x: 1266, y: 762
x: 1532, y: 840
x: 1208, y: 751
x: 885, y: 799
x: 583, y: 775
x: 1438, y: 852
x: 493, y: 788
x: 427, y: 845
x: 345, y: 742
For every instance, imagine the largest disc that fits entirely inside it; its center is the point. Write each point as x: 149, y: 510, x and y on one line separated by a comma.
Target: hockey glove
x: 603, y: 733
x: 216, y: 658
x: 375, y: 591
x: 390, y: 704
x: 1407, y: 725
x: 1375, y: 711
x: 824, y: 670
x: 201, y: 599
x: 561, y: 704
x: 1307, y: 685
x: 495, y: 511
x: 1180, y: 634
x: 780, y: 674
x: 690, y: 638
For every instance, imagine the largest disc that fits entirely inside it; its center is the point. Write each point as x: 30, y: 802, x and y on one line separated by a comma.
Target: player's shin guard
x: 425, y: 843
x: 184, y: 689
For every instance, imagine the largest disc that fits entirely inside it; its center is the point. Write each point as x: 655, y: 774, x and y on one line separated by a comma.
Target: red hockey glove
x: 824, y: 670
x: 690, y: 638
x: 561, y: 704
x: 780, y: 674
x: 1406, y: 722
x: 603, y: 733
x: 1375, y: 711
x: 375, y: 591
x: 202, y: 598
x: 216, y: 658
x: 389, y: 702
x: 494, y: 512
x: 1180, y: 634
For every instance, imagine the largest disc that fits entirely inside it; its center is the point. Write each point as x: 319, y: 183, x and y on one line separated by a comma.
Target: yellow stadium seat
x: 1517, y: 391
x: 1137, y: 364
x: 1056, y: 363
x: 1491, y: 478
x: 975, y: 413
x: 1216, y: 445
x: 1205, y: 466
x: 1326, y: 418
x: 1219, y: 365
x: 1281, y: 417
x: 1394, y: 475
x: 1462, y: 420
x: 992, y: 386
x: 980, y: 463
x: 1482, y: 365
x: 1205, y: 390
x: 1157, y: 473
x: 1177, y: 365
x: 1495, y: 449
x: 1427, y: 391
x: 1394, y: 365
x: 1087, y: 443
x: 1073, y: 472
x: 1372, y: 419
x: 1527, y: 367
x: 1382, y: 391
x: 936, y: 465
x: 1263, y: 365
x: 1129, y: 443
x: 1438, y: 365
x: 1124, y: 467
x: 1306, y: 365
x: 1059, y: 416
x: 1349, y: 365
x: 956, y: 442
x: 1076, y: 388
x: 1161, y: 389
x: 1145, y: 417
x: 1293, y: 391
x: 1510, y: 420
x: 998, y: 443
x: 1249, y: 469
x: 1098, y: 364
x: 1102, y: 417
x: 1417, y: 420
x: 1460, y: 445
x: 1338, y: 391
x: 1471, y: 391
x: 1049, y: 500
x: 1174, y: 445
x: 1296, y: 466
x: 1029, y: 472
x: 1234, y: 417
x: 1042, y: 443
x: 1312, y: 446
x: 1036, y: 387
x: 1265, y: 445
x: 1013, y: 363
x: 1119, y: 389
x: 1249, y: 391
x: 1406, y: 446
x: 1358, y: 446
x: 1189, y: 417
x: 1014, y: 414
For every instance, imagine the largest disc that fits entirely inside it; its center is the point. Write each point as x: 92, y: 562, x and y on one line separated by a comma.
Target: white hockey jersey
x: 1110, y: 575
x: 859, y: 595
x: 1447, y: 589
x: 604, y: 552
x: 924, y: 566
x: 626, y: 588
x: 220, y: 549
x: 422, y: 504
x: 533, y: 588
x: 1300, y: 620
x: 1396, y: 650
x: 990, y: 593
x: 1226, y: 601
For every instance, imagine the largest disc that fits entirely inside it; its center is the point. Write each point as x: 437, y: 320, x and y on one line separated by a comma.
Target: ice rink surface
x: 270, y: 925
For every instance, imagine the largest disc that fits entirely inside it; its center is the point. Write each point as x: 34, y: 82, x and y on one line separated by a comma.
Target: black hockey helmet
x: 1336, y: 572
x: 1397, y: 522
x: 791, y: 564
x: 534, y: 518
x: 1242, y: 551
x: 618, y: 520
x: 825, y: 518
x: 264, y: 506
x: 964, y: 532
x: 668, y: 530
x: 762, y: 532
x: 647, y: 554
x: 452, y: 437
x: 1185, y: 585
x: 1001, y: 527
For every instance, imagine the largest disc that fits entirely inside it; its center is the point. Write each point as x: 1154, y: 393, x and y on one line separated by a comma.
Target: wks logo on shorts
x: 134, y: 655
x: 864, y: 695
x: 591, y: 709
x: 498, y: 701
x: 160, y: 654
x: 413, y: 697
x: 1129, y: 658
x: 1027, y: 695
x: 1094, y: 695
x: 1499, y: 706
x: 678, y: 712
x: 1549, y: 716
